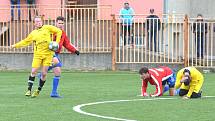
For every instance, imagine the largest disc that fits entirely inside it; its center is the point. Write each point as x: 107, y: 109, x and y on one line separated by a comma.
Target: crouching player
x: 56, y: 66
x: 158, y: 77
x: 190, y: 81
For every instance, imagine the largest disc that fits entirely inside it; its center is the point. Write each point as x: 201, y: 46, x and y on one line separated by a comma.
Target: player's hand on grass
x: 145, y: 95
x: 185, y: 97
x: 152, y: 95
x: 77, y: 52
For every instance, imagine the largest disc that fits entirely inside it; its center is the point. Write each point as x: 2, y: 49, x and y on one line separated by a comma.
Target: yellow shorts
x: 42, y: 60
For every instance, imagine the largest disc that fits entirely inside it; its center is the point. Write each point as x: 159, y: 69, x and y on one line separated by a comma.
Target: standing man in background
x: 153, y: 28
x: 126, y: 17
x: 31, y: 6
x: 200, y: 31
x: 15, y: 3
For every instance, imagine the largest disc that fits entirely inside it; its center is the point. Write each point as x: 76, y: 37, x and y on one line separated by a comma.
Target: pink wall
x: 43, y: 7
x: 139, y: 6
x: 4, y: 11
x: 50, y: 8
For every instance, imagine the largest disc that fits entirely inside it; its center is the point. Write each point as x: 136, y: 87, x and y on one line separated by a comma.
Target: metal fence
x: 87, y: 27
x: 201, y: 42
x: 167, y: 39
x: 149, y: 40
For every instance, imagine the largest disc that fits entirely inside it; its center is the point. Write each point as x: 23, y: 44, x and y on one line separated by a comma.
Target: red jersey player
x: 158, y: 77
x: 57, y: 64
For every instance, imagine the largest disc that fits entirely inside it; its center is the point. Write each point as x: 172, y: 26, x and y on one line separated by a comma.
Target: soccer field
x: 88, y: 87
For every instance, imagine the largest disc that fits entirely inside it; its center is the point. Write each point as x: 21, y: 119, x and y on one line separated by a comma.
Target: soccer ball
x: 53, y: 46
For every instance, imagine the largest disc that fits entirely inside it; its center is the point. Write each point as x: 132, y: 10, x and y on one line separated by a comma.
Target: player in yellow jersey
x: 190, y: 82
x: 41, y: 37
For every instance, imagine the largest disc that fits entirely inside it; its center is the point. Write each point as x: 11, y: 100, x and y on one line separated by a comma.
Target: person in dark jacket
x: 31, y: 6
x: 153, y: 27
x: 200, y: 30
x: 15, y: 3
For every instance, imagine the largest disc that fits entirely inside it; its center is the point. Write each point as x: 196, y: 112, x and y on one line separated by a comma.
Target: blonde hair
x: 41, y: 17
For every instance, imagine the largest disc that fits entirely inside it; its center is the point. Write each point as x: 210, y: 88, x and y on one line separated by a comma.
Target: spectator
x: 15, y: 3
x: 126, y: 16
x: 153, y: 27
x: 190, y: 81
x: 31, y: 5
x: 200, y: 30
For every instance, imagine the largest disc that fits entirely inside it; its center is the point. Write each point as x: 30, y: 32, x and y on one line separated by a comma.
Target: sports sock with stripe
x: 30, y: 82
x: 41, y: 83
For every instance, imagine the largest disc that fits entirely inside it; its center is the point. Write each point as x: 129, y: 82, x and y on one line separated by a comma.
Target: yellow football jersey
x: 41, y: 38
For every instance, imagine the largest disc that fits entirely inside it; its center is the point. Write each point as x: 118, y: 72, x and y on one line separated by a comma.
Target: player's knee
x: 33, y: 73
x: 57, y: 73
x: 55, y: 60
x: 183, y: 92
x: 43, y: 74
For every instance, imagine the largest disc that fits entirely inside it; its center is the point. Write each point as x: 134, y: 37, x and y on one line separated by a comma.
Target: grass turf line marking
x: 78, y: 107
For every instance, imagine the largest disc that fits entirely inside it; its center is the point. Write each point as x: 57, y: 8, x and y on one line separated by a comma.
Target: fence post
x: 113, y: 42
x: 186, y: 42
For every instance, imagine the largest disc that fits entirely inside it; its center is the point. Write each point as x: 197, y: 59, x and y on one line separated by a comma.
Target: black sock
x: 30, y: 82
x: 41, y: 83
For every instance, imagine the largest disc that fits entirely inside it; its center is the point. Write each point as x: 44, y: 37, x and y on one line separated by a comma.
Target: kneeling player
x: 158, y: 77
x: 190, y: 81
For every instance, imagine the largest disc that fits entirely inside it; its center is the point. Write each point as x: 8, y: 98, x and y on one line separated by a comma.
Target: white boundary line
x: 78, y: 107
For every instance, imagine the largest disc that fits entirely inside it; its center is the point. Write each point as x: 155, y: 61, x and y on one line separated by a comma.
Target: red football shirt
x: 64, y: 41
x: 157, y: 75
